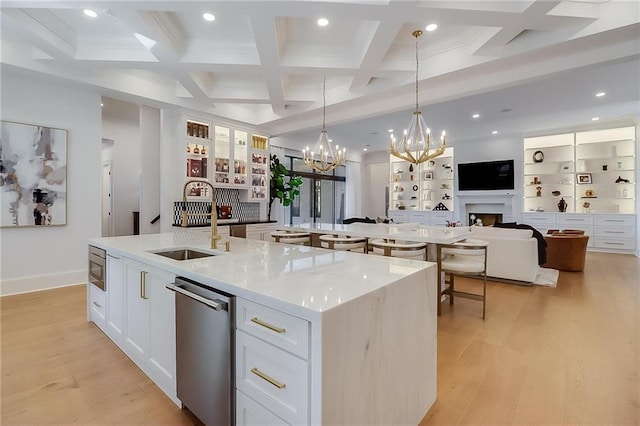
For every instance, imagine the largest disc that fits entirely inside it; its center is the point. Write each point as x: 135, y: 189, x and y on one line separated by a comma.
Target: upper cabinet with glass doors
x: 198, y: 147
x: 260, y: 162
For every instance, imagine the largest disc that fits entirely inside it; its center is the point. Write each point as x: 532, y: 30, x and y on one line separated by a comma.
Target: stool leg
x: 484, y: 295
x: 451, y: 288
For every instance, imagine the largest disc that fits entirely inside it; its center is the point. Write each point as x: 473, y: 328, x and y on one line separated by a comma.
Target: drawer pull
x: 97, y: 304
x: 614, y: 232
x: 267, y: 325
x: 613, y: 244
x: 143, y: 285
x: 263, y: 376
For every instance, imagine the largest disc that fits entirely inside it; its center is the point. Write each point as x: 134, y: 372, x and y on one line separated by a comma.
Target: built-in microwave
x: 97, y: 267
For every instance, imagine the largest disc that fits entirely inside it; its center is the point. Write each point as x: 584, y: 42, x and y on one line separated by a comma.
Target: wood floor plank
x: 543, y: 356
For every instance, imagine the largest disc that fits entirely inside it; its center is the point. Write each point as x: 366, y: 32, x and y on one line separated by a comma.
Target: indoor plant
x: 283, y: 184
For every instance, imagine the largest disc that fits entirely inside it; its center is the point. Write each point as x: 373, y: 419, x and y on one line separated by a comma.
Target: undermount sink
x: 184, y: 254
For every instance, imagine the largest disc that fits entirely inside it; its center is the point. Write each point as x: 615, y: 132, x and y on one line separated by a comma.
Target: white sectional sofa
x: 512, y: 253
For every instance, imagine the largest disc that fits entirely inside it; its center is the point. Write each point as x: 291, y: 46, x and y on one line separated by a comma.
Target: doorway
x: 107, y: 200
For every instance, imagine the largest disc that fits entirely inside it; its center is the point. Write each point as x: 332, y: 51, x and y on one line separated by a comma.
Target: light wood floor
x: 543, y: 356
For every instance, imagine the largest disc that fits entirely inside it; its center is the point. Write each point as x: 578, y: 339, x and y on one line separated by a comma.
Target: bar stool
x: 292, y: 237
x: 394, y: 248
x: 469, y: 258
x: 343, y: 242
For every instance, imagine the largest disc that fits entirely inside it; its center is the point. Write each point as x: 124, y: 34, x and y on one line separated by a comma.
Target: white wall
x: 44, y: 257
x: 121, y: 123
x: 149, y: 201
x: 375, y: 184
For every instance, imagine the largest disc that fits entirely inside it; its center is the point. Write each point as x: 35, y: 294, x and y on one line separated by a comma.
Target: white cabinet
x: 272, y: 367
x: 149, y: 326
x: 428, y: 218
x: 115, y: 299
x: 607, y: 232
x: 615, y: 232
x: 260, y: 231
x: 97, y: 306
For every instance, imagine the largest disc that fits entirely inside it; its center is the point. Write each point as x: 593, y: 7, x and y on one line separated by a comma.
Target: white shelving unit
x: 594, y: 171
x: 421, y: 190
x: 606, y: 159
x: 549, y: 170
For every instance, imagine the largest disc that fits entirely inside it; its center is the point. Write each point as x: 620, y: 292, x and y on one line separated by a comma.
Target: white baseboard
x: 42, y: 282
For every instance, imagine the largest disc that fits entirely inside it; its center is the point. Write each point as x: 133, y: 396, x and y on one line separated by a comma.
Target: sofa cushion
x: 542, y: 244
x: 490, y: 231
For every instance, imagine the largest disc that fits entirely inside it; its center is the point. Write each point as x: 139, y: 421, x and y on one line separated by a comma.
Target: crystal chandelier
x: 416, y: 141
x: 324, y: 158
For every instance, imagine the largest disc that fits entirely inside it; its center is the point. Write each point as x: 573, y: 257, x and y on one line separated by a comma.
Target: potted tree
x: 283, y: 184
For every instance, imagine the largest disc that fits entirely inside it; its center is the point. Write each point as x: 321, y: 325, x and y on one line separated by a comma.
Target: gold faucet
x: 215, y: 237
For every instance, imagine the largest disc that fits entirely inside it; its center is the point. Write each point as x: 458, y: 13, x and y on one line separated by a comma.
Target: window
x: 321, y: 196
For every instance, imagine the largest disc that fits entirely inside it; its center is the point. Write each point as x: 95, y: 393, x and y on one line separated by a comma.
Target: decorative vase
x: 410, y: 167
x: 562, y: 205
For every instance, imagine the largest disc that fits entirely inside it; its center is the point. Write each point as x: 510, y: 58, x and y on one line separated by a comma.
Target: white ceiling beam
x: 23, y: 23
x: 265, y: 32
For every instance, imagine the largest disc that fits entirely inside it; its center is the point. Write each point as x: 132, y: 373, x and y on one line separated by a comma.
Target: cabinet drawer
x: 566, y: 220
x: 613, y: 243
x: 250, y: 413
x: 285, y: 331
x: 616, y: 220
x: 274, y: 378
x: 98, y: 306
x: 613, y: 232
x: 539, y: 218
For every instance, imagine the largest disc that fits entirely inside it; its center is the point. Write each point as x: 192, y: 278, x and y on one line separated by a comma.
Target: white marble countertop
x: 400, y: 231
x: 299, y: 280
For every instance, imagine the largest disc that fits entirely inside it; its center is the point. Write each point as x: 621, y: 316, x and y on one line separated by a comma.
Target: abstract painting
x: 33, y: 175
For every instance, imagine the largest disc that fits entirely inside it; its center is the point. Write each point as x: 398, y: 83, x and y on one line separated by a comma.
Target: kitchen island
x: 360, y: 339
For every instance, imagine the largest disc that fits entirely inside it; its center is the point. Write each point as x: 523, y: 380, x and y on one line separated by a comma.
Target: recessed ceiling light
x: 495, y: 132
x: 209, y: 17
x: 595, y: 119
x: 323, y: 22
x: 90, y: 13
x: 431, y: 27
x: 364, y: 149
x: 390, y: 130
x: 330, y: 140
x: 101, y: 104
x: 600, y: 94
x: 475, y: 116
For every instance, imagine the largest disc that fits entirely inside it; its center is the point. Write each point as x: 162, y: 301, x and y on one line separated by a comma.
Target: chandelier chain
x: 417, y: 35
x: 324, y: 101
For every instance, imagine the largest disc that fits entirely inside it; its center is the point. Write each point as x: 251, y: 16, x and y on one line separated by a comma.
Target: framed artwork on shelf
x: 33, y: 175
x: 583, y: 178
x: 427, y: 176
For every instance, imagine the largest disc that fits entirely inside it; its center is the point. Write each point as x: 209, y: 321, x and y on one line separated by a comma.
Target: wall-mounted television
x: 485, y: 176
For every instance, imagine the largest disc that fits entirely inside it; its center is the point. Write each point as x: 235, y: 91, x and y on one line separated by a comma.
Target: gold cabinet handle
x: 269, y: 326
x: 271, y: 380
x: 143, y: 285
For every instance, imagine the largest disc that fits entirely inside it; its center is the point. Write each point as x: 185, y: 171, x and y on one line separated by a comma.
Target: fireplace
x: 485, y: 219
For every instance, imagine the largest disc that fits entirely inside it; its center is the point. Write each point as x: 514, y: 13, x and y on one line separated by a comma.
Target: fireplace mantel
x: 486, y: 203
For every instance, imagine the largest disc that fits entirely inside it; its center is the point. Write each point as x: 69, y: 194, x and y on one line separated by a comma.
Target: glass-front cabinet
x: 225, y: 157
x: 260, y: 163
x: 222, y: 155
x: 239, y: 157
x: 198, y: 151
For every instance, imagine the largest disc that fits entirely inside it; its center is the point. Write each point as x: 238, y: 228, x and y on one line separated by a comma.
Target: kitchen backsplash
x: 240, y: 210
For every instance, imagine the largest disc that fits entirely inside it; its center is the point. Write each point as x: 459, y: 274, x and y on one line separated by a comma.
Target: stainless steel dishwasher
x: 204, y: 351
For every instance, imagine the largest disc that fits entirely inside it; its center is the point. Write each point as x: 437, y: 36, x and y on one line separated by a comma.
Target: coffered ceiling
x: 263, y: 62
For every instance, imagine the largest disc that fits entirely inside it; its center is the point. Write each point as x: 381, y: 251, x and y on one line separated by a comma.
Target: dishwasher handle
x: 216, y: 304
